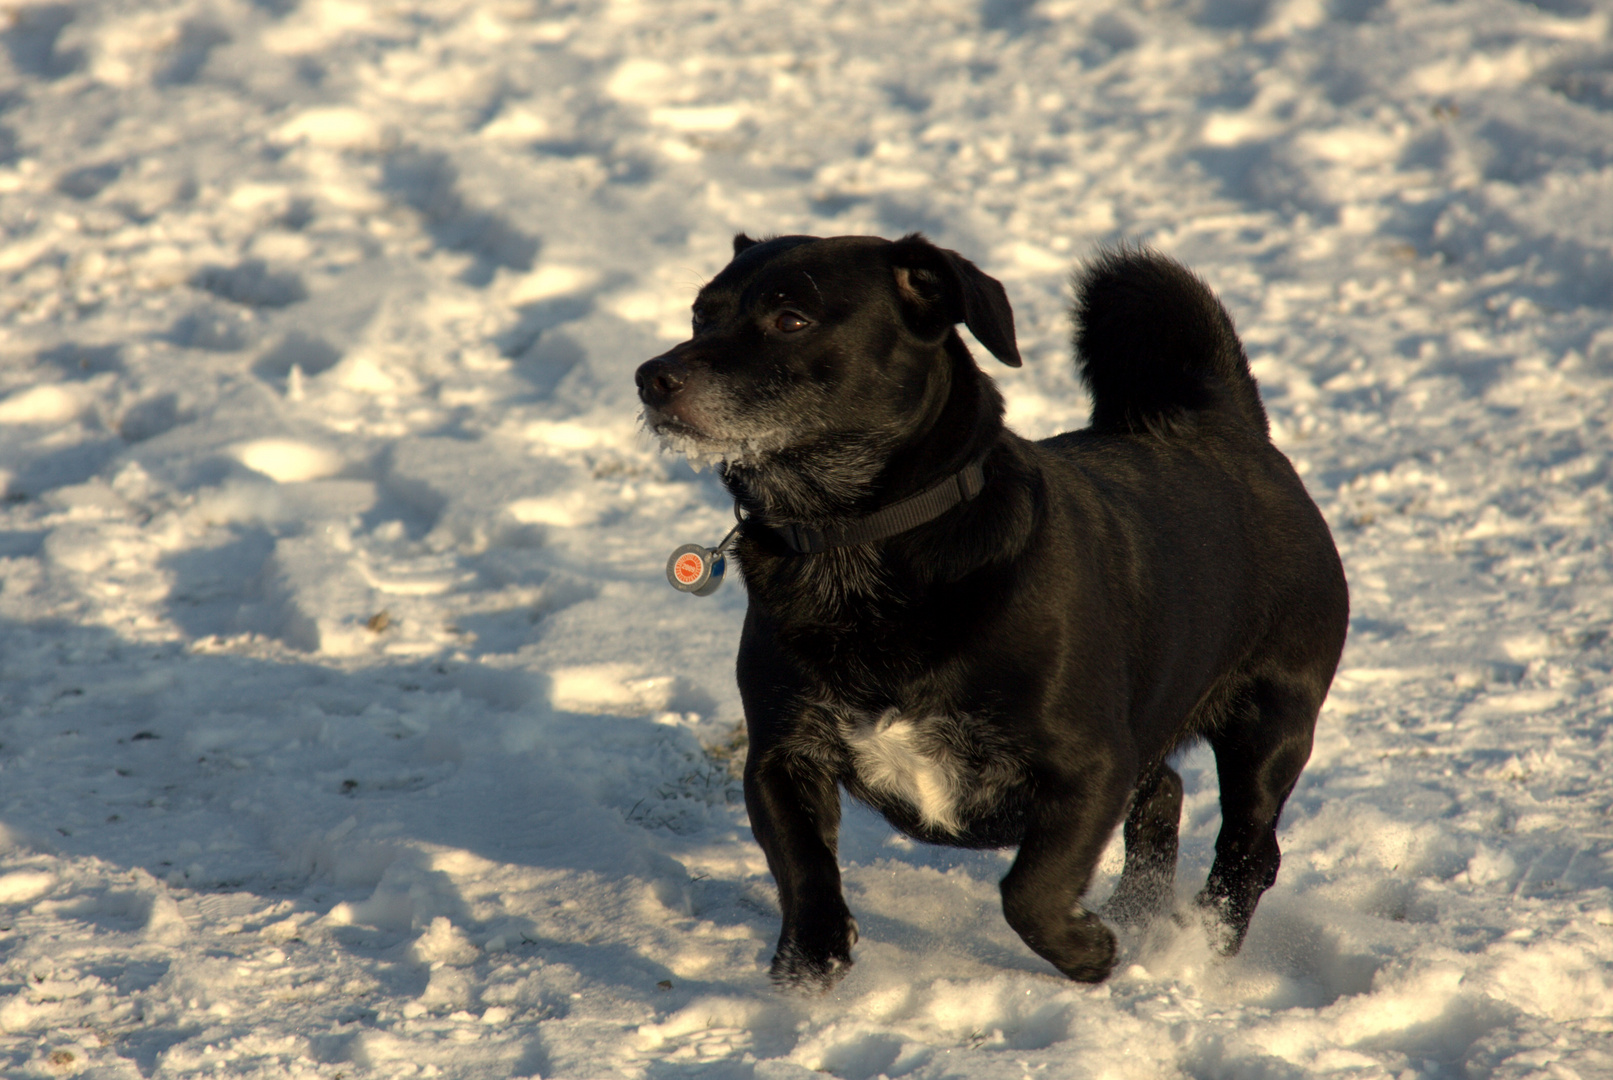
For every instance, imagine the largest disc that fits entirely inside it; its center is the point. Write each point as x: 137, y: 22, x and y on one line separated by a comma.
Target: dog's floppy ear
x: 940, y: 288
x: 741, y: 242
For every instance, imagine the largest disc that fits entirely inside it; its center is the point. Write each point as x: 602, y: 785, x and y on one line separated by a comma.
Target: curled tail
x: 1154, y: 343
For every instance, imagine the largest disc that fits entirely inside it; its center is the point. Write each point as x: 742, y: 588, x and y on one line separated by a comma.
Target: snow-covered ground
x: 348, y: 727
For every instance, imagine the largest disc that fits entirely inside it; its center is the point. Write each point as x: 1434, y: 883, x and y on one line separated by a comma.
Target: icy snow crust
x: 348, y: 726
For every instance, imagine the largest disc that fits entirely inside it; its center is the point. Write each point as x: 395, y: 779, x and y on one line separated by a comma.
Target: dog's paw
x: 813, y: 963
x: 1095, y: 949
x: 803, y: 974
x: 1221, y: 922
x: 1076, y: 942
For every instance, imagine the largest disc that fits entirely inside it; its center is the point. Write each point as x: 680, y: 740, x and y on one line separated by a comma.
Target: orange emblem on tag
x: 688, y: 568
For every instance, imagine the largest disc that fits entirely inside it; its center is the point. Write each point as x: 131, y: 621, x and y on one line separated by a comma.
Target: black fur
x: 1017, y: 671
x: 1153, y: 342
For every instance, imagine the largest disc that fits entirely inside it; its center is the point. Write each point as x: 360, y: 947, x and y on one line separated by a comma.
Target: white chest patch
x: 892, y: 756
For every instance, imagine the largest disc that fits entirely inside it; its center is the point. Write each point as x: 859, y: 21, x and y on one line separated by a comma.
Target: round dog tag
x: 696, y: 569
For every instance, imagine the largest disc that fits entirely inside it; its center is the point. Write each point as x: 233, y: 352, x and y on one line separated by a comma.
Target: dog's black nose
x: 659, y: 380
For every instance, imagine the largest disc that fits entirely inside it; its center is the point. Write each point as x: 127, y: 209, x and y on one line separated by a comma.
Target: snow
x: 348, y: 726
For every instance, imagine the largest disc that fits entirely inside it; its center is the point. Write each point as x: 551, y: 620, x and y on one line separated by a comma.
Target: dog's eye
x: 789, y: 322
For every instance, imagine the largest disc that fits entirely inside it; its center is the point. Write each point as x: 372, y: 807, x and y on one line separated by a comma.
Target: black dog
x: 992, y: 641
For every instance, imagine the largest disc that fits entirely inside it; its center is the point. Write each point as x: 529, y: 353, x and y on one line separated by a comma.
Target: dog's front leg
x: 1042, y: 891
x: 794, y: 810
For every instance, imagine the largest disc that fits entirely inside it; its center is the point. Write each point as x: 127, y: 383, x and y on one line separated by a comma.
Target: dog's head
x: 844, y: 345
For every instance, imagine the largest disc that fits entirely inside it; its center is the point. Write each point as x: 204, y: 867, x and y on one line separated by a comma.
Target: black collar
x: 898, y: 517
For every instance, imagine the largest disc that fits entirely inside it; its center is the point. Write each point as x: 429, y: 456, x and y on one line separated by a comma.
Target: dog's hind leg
x: 1147, y: 883
x: 1259, y: 753
x: 1042, y: 891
